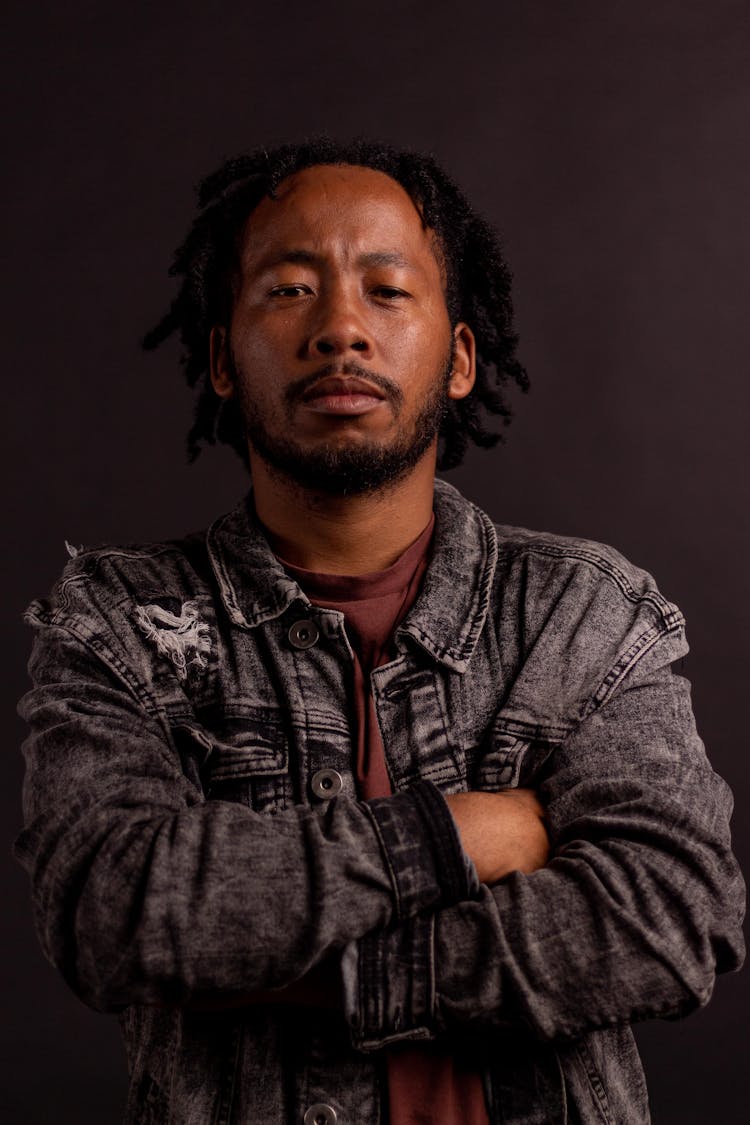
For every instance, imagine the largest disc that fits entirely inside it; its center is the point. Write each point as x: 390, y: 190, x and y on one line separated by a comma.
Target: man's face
x: 340, y: 349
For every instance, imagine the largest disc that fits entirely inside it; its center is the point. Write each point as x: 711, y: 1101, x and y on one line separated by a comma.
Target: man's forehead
x: 323, y: 182
x: 326, y: 201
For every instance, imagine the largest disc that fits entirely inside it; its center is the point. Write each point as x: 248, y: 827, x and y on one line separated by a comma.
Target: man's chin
x: 357, y: 471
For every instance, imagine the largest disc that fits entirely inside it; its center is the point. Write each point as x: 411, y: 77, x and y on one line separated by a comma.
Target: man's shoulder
x: 573, y: 575
x: 576, y: 615
x: 544, y: 559
x: 566, y: 554
x: 99, y: 578
x: 559, y: 610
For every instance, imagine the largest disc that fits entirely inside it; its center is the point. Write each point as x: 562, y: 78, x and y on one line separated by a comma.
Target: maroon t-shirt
x: 425, y: 1083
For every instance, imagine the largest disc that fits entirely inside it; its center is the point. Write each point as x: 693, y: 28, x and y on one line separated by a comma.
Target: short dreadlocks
x: 477, y: 281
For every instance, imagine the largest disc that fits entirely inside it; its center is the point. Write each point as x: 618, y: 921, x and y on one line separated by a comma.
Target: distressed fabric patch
x: 184, y: 640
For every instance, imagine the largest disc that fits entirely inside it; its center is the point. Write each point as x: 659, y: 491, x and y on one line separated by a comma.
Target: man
x: 358, y: 808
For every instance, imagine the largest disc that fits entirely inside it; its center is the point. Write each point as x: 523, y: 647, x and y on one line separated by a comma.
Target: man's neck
x: 343, y: 534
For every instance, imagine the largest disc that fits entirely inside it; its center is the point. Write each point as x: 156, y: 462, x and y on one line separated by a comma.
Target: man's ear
x: 464, y: 362
x: 221, y: 378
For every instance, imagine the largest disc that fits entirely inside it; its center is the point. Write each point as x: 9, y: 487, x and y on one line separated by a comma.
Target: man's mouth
x: 343, y: 395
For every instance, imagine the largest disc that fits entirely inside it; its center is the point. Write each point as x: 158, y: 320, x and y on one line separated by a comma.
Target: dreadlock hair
x: 477, y: 281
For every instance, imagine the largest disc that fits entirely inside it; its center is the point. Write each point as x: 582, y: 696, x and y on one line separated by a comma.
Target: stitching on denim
x: 595, y: 1082
x: 669, y: 613
x: 398, y: 905
x: 230, y: 1069
x: 431, y: 1005
x: 273, y: 604
x: 37, y: 616
x: 563, y: 1087
x: 629, y: 659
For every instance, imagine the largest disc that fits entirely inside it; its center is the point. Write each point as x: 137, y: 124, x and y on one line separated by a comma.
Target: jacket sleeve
x: 639, y: 907
x: 144, y: 891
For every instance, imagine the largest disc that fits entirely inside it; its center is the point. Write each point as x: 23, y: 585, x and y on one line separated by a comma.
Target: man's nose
x: 339, y: 330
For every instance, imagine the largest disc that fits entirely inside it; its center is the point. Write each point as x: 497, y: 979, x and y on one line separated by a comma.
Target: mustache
x: 300, y: 387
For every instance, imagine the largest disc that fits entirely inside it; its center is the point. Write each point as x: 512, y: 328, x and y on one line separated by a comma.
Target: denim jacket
x: 183, y: 852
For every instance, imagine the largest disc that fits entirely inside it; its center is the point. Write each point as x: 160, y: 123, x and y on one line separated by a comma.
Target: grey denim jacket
x: 186, y: 697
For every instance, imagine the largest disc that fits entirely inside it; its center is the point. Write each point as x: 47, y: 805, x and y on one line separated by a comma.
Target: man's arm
x: 146, y: 892
x: 638, y: 908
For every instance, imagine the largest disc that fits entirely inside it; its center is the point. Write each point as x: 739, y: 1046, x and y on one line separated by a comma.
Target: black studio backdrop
x: 608, y: 141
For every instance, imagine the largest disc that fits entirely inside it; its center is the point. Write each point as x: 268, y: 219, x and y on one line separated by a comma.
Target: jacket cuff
x: 389, y: 985
x: 422, y: 848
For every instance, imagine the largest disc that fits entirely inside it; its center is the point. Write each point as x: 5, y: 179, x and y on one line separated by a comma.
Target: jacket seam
x: 627, y: 662
x: 387, y: 859
x: 103, y: 653
x: 669, y: 613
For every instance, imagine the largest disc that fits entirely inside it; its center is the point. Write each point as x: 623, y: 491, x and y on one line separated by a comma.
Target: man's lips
x: 343, y: 394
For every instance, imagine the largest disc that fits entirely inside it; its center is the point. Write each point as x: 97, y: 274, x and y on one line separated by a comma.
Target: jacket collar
x: 449, y: 613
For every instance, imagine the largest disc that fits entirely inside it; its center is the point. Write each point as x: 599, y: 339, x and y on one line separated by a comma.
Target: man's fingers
x: 501, y: 832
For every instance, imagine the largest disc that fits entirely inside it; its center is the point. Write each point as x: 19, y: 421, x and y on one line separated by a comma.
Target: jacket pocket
x: 244, y: 757
x: 507, y: 761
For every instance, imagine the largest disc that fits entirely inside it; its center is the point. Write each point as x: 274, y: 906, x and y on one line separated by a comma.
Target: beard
x: 360, y: 466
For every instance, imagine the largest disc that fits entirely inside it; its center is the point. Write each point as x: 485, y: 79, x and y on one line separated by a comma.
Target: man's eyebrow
x: 289, y: 257
x: 385, y: 258
x: 299, y: 257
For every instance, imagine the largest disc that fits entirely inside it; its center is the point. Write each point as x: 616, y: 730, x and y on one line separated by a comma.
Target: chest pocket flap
x: 246, y: 745
x: 243, y: 755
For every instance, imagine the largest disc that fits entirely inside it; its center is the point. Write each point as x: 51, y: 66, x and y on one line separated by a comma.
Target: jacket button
x: 320, y: 1114
x: 303, y: 634
x: 326, y: 784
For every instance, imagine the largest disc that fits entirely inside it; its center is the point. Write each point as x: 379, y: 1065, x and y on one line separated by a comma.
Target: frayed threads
x: 183, y: 640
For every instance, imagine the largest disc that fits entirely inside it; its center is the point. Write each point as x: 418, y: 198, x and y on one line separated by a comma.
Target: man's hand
x: 501, y: 832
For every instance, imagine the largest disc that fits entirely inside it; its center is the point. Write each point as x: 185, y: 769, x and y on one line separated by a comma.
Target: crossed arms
x: 145, y: 892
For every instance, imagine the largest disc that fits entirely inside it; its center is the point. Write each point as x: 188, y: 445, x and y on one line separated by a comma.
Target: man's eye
x: 289, y: 291
x: 389, y: 292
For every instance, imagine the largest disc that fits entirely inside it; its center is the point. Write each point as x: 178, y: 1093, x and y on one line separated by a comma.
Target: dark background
x: 608, y: 141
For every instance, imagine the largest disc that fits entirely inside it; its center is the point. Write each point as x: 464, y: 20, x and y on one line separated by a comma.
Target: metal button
x: 303, y: 634
x: 327, y: 784
x: 320, y: 1114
